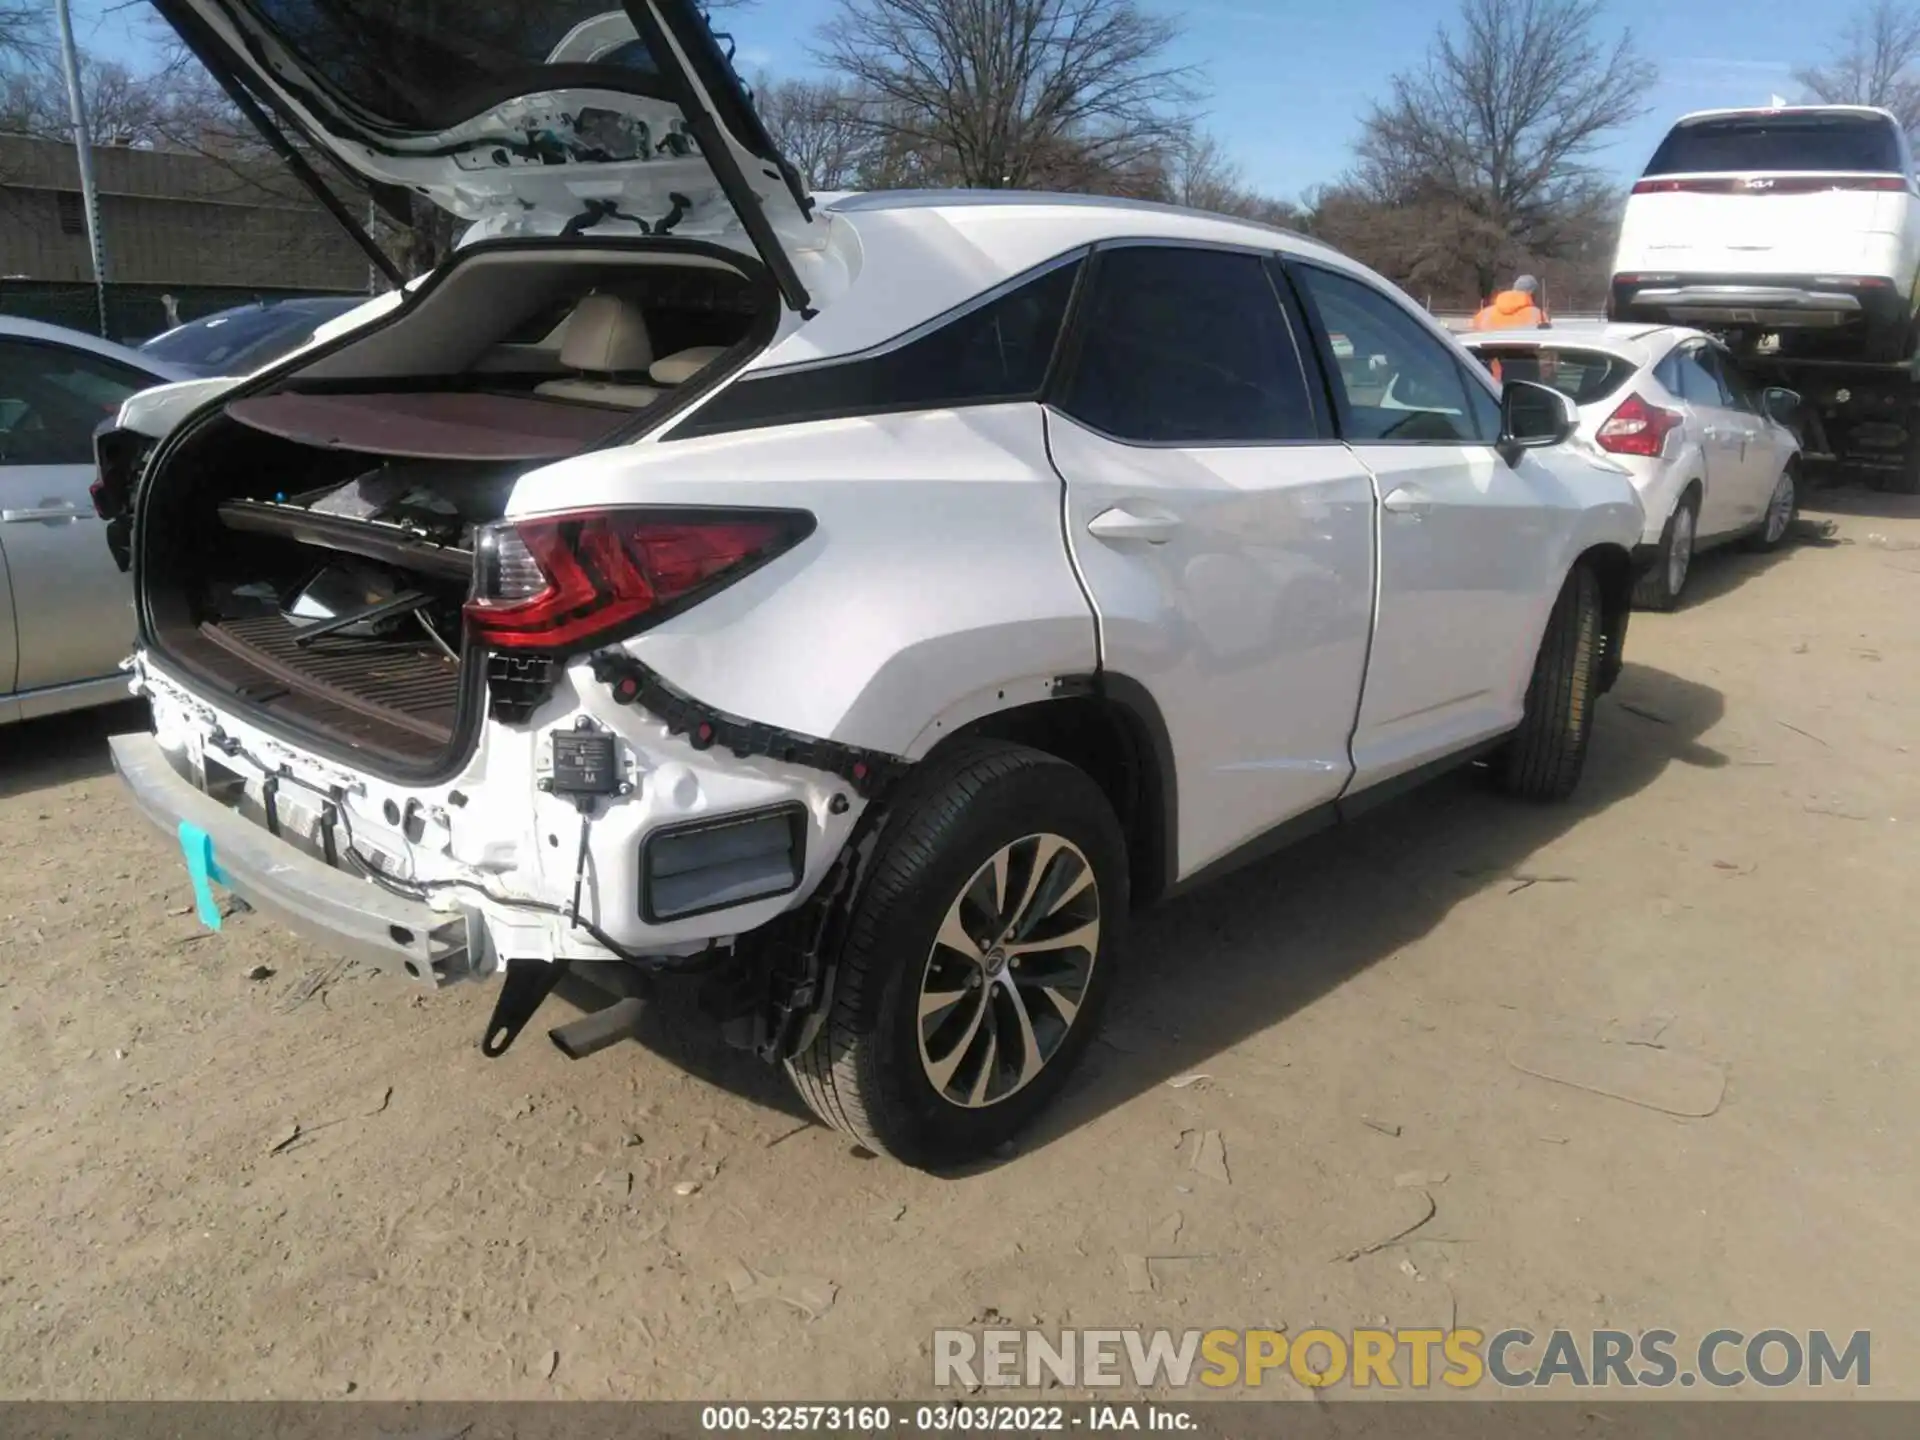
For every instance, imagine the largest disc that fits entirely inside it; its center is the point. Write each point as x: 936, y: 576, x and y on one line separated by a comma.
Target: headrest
x: 683, y: 365
x: 607, y: 336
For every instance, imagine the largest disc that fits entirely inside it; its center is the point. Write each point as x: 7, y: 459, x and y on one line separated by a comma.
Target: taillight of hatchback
x: 561, y: 583
x: 1638, y: 427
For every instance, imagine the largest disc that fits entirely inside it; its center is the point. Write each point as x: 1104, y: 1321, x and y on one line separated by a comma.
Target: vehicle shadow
x: 1205, y: 972
x: 1724, y: 569
x: 1861, y: 501
x: 39, y: 754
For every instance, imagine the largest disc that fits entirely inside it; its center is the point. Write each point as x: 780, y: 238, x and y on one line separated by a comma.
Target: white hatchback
x: 1713, y: 461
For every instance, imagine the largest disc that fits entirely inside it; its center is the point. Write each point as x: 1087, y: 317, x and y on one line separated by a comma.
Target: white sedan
x: 1713, y: 461
x: 66, y: 618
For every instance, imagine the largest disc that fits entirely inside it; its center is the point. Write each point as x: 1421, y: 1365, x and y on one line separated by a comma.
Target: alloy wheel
x: 1680, y: 553
x: 1780, y: 508
x: 1009, y: 970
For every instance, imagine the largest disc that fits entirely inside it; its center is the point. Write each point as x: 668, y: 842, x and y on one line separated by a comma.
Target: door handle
x: 39, y: 512
x: 1120, y: 523
x: 1408, y: 500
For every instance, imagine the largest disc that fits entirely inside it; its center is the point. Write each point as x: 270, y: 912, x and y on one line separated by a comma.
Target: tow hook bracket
x: 522, y: 992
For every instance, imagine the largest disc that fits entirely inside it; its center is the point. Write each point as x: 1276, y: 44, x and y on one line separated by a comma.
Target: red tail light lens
x: 563, y: 582
x: 1637, y: 428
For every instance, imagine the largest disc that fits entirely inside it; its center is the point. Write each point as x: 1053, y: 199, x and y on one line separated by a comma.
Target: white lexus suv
x: 865, y: 606
x: 1799, y: 221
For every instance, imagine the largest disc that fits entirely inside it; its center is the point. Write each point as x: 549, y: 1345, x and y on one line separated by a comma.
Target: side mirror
x: 1534, y: 416
x: 1781, y: 405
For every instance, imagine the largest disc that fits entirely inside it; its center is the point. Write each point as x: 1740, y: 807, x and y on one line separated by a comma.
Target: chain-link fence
x: 134, y: 312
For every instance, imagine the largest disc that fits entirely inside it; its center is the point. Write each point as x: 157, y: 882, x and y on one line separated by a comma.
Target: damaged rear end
x: 390, y: 704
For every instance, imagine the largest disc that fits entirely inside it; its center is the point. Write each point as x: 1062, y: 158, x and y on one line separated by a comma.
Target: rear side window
x: 1693, y: 374
x: 995, y: 352
x: 1183, y: 346
x: 1790, y: 143
x: 1583, y: 376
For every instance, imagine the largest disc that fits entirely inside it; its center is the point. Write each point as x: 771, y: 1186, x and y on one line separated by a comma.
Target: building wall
x: 166, y: 219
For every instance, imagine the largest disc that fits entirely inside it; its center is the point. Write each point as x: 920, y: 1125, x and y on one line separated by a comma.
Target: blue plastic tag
x: 197, y: 846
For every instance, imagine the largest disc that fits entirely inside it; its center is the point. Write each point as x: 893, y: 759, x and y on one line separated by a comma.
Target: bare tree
x: 1873, y: 64
x: 818, y: 126
x: 1011, y: 93
x: 23, y: 31
x: 1500, y: 125
x: 123, y: 107
x: 1199, y: 173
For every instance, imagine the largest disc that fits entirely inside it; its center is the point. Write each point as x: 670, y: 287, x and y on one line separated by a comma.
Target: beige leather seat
x: 606, y: 341
x: 683, y: 365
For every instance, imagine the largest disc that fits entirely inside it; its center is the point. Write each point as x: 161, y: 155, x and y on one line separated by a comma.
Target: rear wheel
x: 1543, y: 759
x: 1782, y: 506
x: 976, y: 958
x: 1661, y: 586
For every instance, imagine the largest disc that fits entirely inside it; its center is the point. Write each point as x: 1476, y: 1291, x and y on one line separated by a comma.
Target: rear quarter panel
x: 935, y: 587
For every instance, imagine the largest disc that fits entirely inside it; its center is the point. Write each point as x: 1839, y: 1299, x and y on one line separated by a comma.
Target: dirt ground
x: 1729, y: 889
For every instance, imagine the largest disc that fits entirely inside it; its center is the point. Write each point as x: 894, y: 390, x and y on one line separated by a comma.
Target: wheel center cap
x: 996, y: 962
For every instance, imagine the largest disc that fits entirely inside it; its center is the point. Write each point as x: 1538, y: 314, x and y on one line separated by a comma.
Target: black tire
x: 1769, y: 536
x: 1542, y: 760
x: 1656, y: 589
x: 864, y: 1073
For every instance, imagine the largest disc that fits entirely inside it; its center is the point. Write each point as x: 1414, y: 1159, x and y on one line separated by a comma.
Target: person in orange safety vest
x: 1515, y: 309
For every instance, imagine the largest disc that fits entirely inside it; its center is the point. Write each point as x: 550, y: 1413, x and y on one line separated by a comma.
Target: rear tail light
x: 117, y: 456
x: 559, y: 583
x: 1637, y: 428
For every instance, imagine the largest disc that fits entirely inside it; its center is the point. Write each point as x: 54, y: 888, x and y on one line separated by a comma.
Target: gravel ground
x: 310, y: 1184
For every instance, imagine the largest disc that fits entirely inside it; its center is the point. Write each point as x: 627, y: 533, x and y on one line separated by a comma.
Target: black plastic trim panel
x: 868, y: 772
x: 518, y: 685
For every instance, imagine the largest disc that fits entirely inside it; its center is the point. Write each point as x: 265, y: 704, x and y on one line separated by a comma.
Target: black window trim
x: 1067, y: 358
x: 1330, y: 364
x: 692, y: 428
x: 928, y: 326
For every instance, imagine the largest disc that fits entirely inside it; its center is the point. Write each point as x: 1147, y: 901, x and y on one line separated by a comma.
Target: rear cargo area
x: 306, y: 551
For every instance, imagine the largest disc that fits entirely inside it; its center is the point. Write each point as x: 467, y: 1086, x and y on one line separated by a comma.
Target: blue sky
x: 1288, y: 79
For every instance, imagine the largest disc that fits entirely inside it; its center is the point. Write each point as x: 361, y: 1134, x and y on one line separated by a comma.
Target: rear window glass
x: 427, y: 64
x: 239, y: 341
x: 1583, y: 376
x: 1790, y: 143
x: 997, y: 352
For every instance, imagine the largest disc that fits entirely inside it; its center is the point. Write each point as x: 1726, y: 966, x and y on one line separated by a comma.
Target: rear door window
x: 52, y: 399
x: 1782, y: 143
x: 1183, y: 346
x: 1583, y: 376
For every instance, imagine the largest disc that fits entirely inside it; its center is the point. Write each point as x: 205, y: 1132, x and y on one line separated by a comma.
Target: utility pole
x: 83, y: 155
